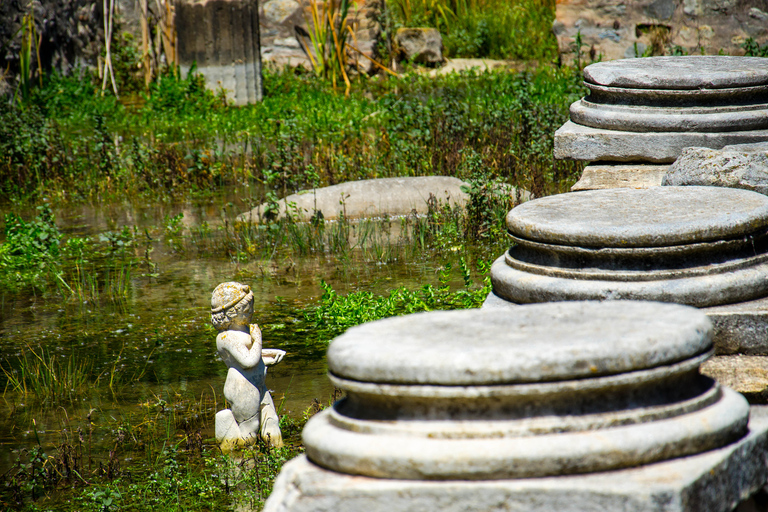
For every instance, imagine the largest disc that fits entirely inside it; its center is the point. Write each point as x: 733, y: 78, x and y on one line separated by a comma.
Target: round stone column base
x: 715, y: 481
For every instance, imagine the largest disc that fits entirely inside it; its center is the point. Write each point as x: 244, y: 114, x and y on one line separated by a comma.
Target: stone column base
x: 714, y: 481
x: 740, y: 328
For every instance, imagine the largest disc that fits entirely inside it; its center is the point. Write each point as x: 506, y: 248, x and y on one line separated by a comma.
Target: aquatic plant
x: 336, y: 313
x: 48, y: 377
x: 31, y: 249
x: 77, y: 146
x: 156, y: 458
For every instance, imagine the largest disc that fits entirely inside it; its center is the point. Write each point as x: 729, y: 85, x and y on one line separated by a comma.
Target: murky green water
x: 158, y: 343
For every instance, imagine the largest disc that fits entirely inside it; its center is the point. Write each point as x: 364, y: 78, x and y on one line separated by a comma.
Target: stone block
x: 419, y: 45
x: 741, y: 328
x: 602, y: 176
x: 714, y: 481
x: 577, y: 142
x: 747, y: 375
x: 738, y: 328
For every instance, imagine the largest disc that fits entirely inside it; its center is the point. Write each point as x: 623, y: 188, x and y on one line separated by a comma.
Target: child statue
x: 252, y: 411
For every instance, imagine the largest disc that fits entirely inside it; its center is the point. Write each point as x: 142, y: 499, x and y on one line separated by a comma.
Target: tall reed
x: 47, y: 376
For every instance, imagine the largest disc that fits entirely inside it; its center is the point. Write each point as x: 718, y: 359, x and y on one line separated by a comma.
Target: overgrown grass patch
x: 499, y: 29
x: 184, y: 140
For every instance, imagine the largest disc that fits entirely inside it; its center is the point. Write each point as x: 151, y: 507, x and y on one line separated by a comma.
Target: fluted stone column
x: 222, y: 38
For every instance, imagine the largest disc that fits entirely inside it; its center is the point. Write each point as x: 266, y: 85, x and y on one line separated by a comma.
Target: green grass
x: 69, y: 144
x: 499, y: 29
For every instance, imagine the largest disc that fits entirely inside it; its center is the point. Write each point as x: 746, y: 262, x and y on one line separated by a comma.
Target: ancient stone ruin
x: 568, y: 406
x: 701, y: 246
x: 641, y: 113
x: 229, y: 39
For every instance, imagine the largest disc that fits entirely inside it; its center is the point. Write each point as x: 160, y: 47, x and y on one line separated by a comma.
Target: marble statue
x: 252, y: 412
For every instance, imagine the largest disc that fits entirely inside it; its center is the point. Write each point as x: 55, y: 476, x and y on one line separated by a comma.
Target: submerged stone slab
x: 577, y: 142
x: 366, y: 198
x: 374, y: 198
x: 602, y: 176
x: 715, y: 481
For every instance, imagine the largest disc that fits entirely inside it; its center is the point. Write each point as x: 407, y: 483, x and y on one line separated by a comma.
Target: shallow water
x: 158, y: 344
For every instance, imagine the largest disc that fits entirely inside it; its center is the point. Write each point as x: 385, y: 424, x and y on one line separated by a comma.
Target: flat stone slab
x: 366, y: 199
x: 603, y: 176
x: 654, y: 217
x: 689, y: 72
x: 714, y: 481
x: 572, y: 340
x: 577, y: 142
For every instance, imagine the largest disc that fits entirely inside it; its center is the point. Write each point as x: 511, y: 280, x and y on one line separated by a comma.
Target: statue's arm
x: 238, y: 349
x: 256, y: 335
x: 272, y: 355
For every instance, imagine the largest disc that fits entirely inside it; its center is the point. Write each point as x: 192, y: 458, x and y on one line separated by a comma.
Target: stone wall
x: 278, y: 34
x: 616, y: 29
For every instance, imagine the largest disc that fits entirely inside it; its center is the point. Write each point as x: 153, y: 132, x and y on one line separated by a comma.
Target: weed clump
x: 336, y: 313
x: 30, y: 252
x: 499, y: 29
